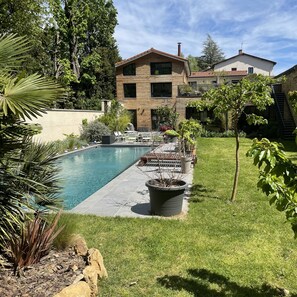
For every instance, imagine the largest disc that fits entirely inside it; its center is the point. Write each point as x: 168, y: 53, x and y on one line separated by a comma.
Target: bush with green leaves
x: 68, y: 228
x: 23, y: 177
x: 277, y: 177
x: 166, y: 117
x: 117, y: 118
x: 94, y: 131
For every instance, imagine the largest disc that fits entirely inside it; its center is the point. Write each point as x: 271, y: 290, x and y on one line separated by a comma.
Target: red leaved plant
x: 34, y: 242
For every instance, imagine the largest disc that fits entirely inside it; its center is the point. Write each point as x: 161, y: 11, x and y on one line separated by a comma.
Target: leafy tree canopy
x: 71, y: 41
x: 211, y: 54
x: 233, y: 98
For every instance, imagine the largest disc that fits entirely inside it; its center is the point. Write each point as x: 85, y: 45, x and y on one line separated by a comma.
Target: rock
x: 80, y: 289
x: 73, y: 268
x: 79, y: 244
x: 95, y: 259
x: 78, y: 278
x: 91, y: 277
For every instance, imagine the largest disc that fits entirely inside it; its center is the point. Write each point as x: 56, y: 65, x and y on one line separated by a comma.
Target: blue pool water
x: 85, y: 172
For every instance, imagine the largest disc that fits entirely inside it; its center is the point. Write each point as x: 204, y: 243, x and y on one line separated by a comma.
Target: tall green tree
x: 23, y: 176
x: 193, y: 63
x: 232, y: 99
x: 211, y: 54
x: 85, y: 51
x: 27, y: 18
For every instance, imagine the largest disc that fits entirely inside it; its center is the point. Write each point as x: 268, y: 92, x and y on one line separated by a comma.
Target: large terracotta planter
x: 166, y: 201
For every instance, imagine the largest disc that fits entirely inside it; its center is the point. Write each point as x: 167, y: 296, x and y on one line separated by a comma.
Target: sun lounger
x: 131, y: 137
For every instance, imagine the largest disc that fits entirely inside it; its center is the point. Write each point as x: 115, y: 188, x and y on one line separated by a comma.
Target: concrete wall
x: 56, y: 123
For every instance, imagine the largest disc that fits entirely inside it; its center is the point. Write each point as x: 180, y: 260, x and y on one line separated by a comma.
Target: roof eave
x: 152, y: 50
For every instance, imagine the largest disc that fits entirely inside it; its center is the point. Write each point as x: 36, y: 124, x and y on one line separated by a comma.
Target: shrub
x: 94, y: 131
x: 70, y: 143
x: 73, y: 142
x: 117, y: 118
x: 34, y: 242
x: 64, y: 238
x: 229, y: 133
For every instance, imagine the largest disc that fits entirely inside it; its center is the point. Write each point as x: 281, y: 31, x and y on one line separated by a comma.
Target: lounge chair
x: 118, y: 135
x: 131, y: 137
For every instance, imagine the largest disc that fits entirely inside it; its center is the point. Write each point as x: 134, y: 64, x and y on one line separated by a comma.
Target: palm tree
x: 23, y: 175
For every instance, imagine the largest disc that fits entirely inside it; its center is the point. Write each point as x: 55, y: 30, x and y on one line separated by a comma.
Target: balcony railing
x: 194, y: 91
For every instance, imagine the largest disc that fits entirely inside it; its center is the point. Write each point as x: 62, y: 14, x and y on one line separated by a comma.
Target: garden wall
x: 57, y: 122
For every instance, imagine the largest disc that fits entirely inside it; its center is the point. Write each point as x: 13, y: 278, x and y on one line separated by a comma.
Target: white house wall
x: 243, y: 62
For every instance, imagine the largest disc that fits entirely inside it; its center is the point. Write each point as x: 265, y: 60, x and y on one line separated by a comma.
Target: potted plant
x: 165, y: 185
x: 188, y: 130
x: 171, y: 135
x: 166, y: 196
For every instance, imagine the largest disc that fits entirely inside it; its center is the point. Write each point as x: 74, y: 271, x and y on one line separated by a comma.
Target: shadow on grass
x: 289, y: 145
x: 204, y: 283
x: 199, y: 192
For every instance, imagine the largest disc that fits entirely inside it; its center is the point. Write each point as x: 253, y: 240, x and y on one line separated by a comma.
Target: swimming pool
x: 85, y: 172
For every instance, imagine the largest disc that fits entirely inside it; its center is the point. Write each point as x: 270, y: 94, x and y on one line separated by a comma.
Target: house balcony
x: 196, y: 90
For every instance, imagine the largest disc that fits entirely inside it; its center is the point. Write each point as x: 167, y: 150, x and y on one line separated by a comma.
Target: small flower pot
x: 185, y: 163
x: 166, y: 201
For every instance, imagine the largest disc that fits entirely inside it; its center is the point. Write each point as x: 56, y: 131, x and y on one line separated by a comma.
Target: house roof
x: 154, y: 51
x: 290, y: 70
x: 216, y: 73
x: 244, y: 54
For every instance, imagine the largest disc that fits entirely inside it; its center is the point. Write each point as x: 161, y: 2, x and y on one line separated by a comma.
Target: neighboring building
x: 245, y: 62
x: 290, y: 83
x: 287, y: 116
x: 154, y: 78
x: 203, y: 80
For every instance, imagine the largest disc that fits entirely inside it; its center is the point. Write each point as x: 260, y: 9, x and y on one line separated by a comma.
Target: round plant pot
x: 166, y: 201
x: 185, y: 163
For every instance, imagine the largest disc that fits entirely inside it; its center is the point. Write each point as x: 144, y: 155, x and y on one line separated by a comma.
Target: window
x: 250, y: 70
x: 161, y: 89
x: 130, y: 90
x: 234, y: 69
x: 129, y: 69
x: 161, y: 68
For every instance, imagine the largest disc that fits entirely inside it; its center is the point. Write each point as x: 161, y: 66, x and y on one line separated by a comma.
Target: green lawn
x: 219, y: 249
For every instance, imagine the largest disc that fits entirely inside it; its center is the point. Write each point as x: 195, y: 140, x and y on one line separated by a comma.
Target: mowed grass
x: 237, y: 249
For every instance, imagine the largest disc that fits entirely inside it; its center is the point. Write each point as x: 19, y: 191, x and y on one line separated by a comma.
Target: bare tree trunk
x: 57, y: 65
x: 72, y: 39
x: 236, y: 175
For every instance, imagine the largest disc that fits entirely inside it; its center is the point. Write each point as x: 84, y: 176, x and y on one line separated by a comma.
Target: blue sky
x: 264, y: 28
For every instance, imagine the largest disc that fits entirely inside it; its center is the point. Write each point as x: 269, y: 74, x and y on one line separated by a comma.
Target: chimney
x: 240, y: 52
x: 179, y: 49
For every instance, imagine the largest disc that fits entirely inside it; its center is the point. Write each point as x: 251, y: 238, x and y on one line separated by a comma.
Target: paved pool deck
x: 126, y: 195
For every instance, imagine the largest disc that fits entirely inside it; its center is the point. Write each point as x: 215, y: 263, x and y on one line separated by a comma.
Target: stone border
x: 86, y: 284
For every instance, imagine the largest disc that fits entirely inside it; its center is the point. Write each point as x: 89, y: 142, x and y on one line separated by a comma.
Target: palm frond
x: 29, y: 96
x: 13, y: 51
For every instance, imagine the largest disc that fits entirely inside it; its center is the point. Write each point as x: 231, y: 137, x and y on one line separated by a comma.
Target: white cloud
x: 263, y: 27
